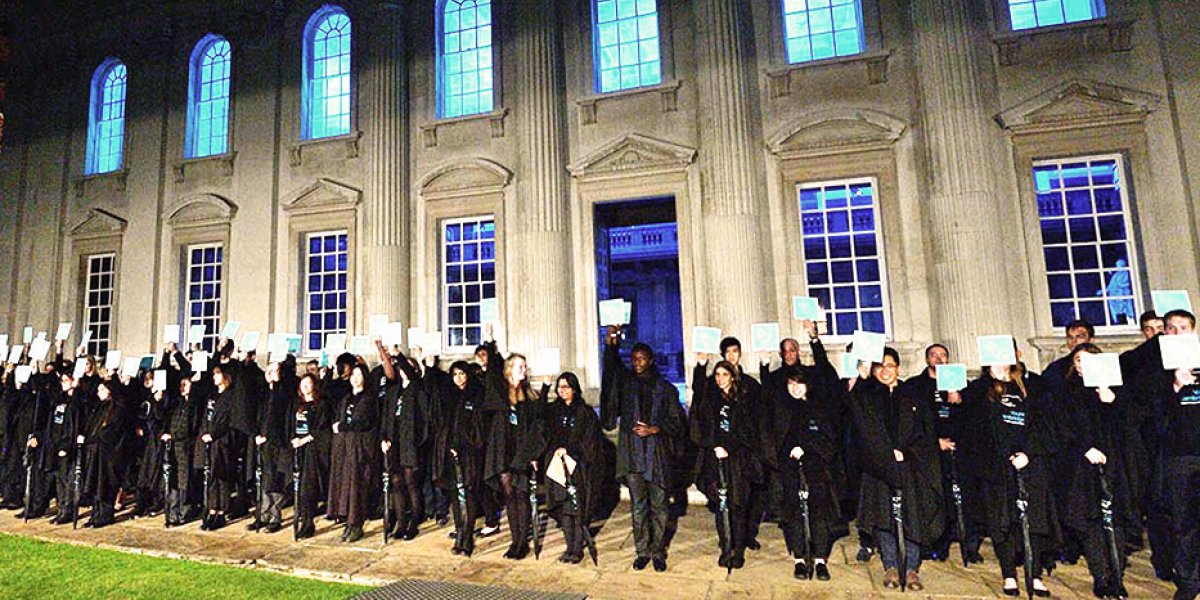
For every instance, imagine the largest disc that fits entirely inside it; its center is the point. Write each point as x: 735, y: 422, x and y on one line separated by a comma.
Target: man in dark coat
x: 646, y: 408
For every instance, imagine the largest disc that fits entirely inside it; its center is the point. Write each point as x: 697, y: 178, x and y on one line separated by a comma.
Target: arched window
x: 465, y: 53
x: 626, y: 45
x: 208, y: 104
x: 326, y: 96
x: 817, y: 30
x: 106, y: 118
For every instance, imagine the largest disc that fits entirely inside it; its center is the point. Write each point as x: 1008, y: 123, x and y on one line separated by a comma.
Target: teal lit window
x: 326, y: 97
x: 817, y: 29
x: 1027, y: 14
x: 208, y: 111
x: 106, y: 122
x: 465, y: 36
x: 626, y: 44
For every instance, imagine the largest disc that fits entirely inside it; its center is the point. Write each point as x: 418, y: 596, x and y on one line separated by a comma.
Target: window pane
x: 469, y: 277
x: 326, y: 308
x: 626, y: 44
x: 106, y: 121
x: 821, y: 29
x: 1027, y: 14
x: 466, y: 76
x: 327, y: 74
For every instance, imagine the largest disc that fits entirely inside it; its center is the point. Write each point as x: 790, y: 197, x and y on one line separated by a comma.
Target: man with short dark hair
x: 1055, y: 374
x: 1151, y: 324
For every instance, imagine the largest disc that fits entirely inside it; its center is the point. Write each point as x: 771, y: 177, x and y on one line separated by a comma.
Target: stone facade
x: 946, y: 110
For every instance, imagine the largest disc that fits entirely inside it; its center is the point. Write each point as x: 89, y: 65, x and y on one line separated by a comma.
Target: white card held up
x: 849, y: 366
x: 277, y: 346
x: 250, y: 341
x: 805, y: 309
x: 112, y: 360
x: 706, y: 340
x: 1166, y: 301
x: 295, y: 342
x: 416, y: 337
x: 951, y: 378
x: 335, y: 344
x: 546, y: 362
x: 612, y: 312
x: 1180, y: 351
x: 361, y: 345
x: 4, y: 339
x: 199, y: 361
x: 129, y: 367
x: 39, y: 350
x: 4, y: 351
x: 376, y: 324
x: 171, y: 334
x: 27, y: 334
x: 23, y: 374
x: 80, y: 369
x: 1101, y: 370
x: 627, y: 315
x: 196, y: 333
x: 868, y: 346
x: 393, y: 334
x: 160, y: 380
x: 489, y: 310
x: 64, y: 332
x: 996, y: 350
x: 230, y: 330
x: 764, y: 337
x: 40, y: 336
x: 87, y: 337
x: 14, y: 354
x: 431, y: 343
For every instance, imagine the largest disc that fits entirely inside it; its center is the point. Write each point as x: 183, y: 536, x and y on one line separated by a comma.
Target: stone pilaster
x: 731, y: 174
x: 963, y: 204
x: 539, y: 300
x: 385, y: 253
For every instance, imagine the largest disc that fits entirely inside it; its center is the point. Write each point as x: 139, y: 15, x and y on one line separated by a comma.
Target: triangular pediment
x: 1079, y: 103
x: 201, y: 209
x: 99, y: 223
x: 634, y: 153
x: 322, y: 194
x: 465, y: 176
x: 838, y: 129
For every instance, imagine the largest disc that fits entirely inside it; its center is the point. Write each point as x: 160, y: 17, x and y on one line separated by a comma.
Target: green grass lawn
x: 42, y: 570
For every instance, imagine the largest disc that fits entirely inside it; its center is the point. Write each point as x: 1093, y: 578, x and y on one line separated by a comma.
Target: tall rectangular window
x: 106, y: 121
x: 209, y: 107
x: 325, y: 291
x: 626, y: 44
x: 326, y: 98
x: 816, y: 29
x: 468, y: 277
x: 1027, y: 14
x: 843, y: 261
x: 202, y: 304
x: 466, y: 48
x: 1087, y: 240
x: 98, y: 302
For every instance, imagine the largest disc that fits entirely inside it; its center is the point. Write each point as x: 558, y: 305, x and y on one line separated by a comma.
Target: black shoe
x: 354, y: 534
x: 738, y: 561
x: 457, y: 551
x: 640, y: 563
x: 62, y: 519
x: 206, y: 523
x: 800, y: 571
x: 660, y: 564
x: 411, y: 533
x: 442, y: 521
x: 1012, y: 591
x: 217, y: 523
x: 753, y: 544
x: 864, y: 554
x: 822, y: 570
x: 517, y: 552
x: 254, y: 526
x: 274, y: 527
x: 306, y: 531
x: 345, y: 533
x: 723, y: 561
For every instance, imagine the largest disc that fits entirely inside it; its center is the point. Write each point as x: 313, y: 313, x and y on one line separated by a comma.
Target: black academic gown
x: 576, y: 428
x: 313, y: 419
x: 353, y: 456
x: 622, y: 391
x: 1089, y: 423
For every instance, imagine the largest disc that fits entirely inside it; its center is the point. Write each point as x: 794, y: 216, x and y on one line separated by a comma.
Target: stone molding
x: 99, y: 223
x: 633, y: 153
x: 220, y: 165
x: 1051, y: 348
x: 837, y: 131
x: 350, y: 142
x: 1111, y: 34
x: 320, y: 196
x: 1078, y: 103
x: 464, y: 177
x: 874, y: 63
x: 496, y: 120
x: 668, y: 94
x: 198, y: 210
x: 102, y: 184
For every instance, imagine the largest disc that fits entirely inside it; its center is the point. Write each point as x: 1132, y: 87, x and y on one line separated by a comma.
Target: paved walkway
x: 693, y: 572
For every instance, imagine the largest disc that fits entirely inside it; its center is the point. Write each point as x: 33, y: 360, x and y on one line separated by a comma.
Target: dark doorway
x: 637, y: 258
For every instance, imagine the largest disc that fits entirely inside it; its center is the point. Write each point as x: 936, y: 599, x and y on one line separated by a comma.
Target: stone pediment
x: 838, y: 130
x: 99, y: 223
x: 634, y: 153
x: 465, y: 176
x: 321, y: 195
x: 1078, y: 103
x: 201, y: 209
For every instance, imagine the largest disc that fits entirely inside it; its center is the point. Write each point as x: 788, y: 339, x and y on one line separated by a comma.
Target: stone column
x: 539, y: 299
x: 730, y: 174
x: 963, y: 204
x: 385, y: 252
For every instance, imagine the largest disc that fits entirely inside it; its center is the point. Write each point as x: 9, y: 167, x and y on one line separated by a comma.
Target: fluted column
x: 730, y: 175
x: 539, y: 302
x: 963, y: 204
x: 385, y: 256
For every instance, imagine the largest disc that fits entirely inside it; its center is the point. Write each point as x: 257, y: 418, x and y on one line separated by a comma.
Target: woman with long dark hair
x: 574, y: 442
x: 352, y: 475
x: 217, y: 446
x: 404, y: 429
x: 102, y: 442
x: 311, y: 429
x: 459, y: 451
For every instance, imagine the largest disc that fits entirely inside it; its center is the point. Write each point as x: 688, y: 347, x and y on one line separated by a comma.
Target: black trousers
x: 821, y: 541
x: 516, y: 502
x: 649, y: 516
x: 64, y: 479
x: 1183, y: 495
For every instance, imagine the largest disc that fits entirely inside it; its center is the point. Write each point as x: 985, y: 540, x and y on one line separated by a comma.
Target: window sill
x: 113, y: 180
x: 1118, y: 340
x: 1109, y: 34
x: 496, y: 118
x: 350, y: 142
x: 779, y: 79
x: 668, y: 93
x: 217, y: 165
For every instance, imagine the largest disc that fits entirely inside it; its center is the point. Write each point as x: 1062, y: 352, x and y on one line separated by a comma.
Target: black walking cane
x: 1110, y: 532
x: 582, y: 521
x: 258, y: 486
x: 166, y: 472
x: 723, y: 510
x: 460, y: 487
x: 387, y: 496
x: 78, y: 483
x: 207, y: 478
x: 296, y: 503
x: 802, y: 493
x: 28, y: 478
x: 1023, y: 513
x: 533, y: 513
x: 901, y: 545
x: 956, y: 493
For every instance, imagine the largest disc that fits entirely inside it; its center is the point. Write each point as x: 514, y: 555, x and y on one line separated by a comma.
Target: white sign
x: 199, y: 361
x: 996, y: 350
x: 80, y: 368
x: 376, y: 324
x: 361, y: 345
x: 64, y: 332
x: 112, y: 361
x: 951, y: 378
x: 160, y: 380
x: 250, y: 341
x: 129, y: 367
x: 431, y: 343
x: 1166, y: 301
x: 612, y: 312
x: 1101, y: 370
x: 14, y: 355
x: 489, y: 310
x: 764, y: 337
x: 393, y: 334
x: 335, y: 344
x: 27, y: 334
x: 546, y: 361
x: 87, y: 337
x: 23, y: 374
x: 196, y: 334
x: 706, y: 340
x: 171, y: 334
x: 868, y: 346
x: 1180, y: 351
x: 39, y: 350
x: 231, y: 329
x: 416, y: 337
x: 805, y: 309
